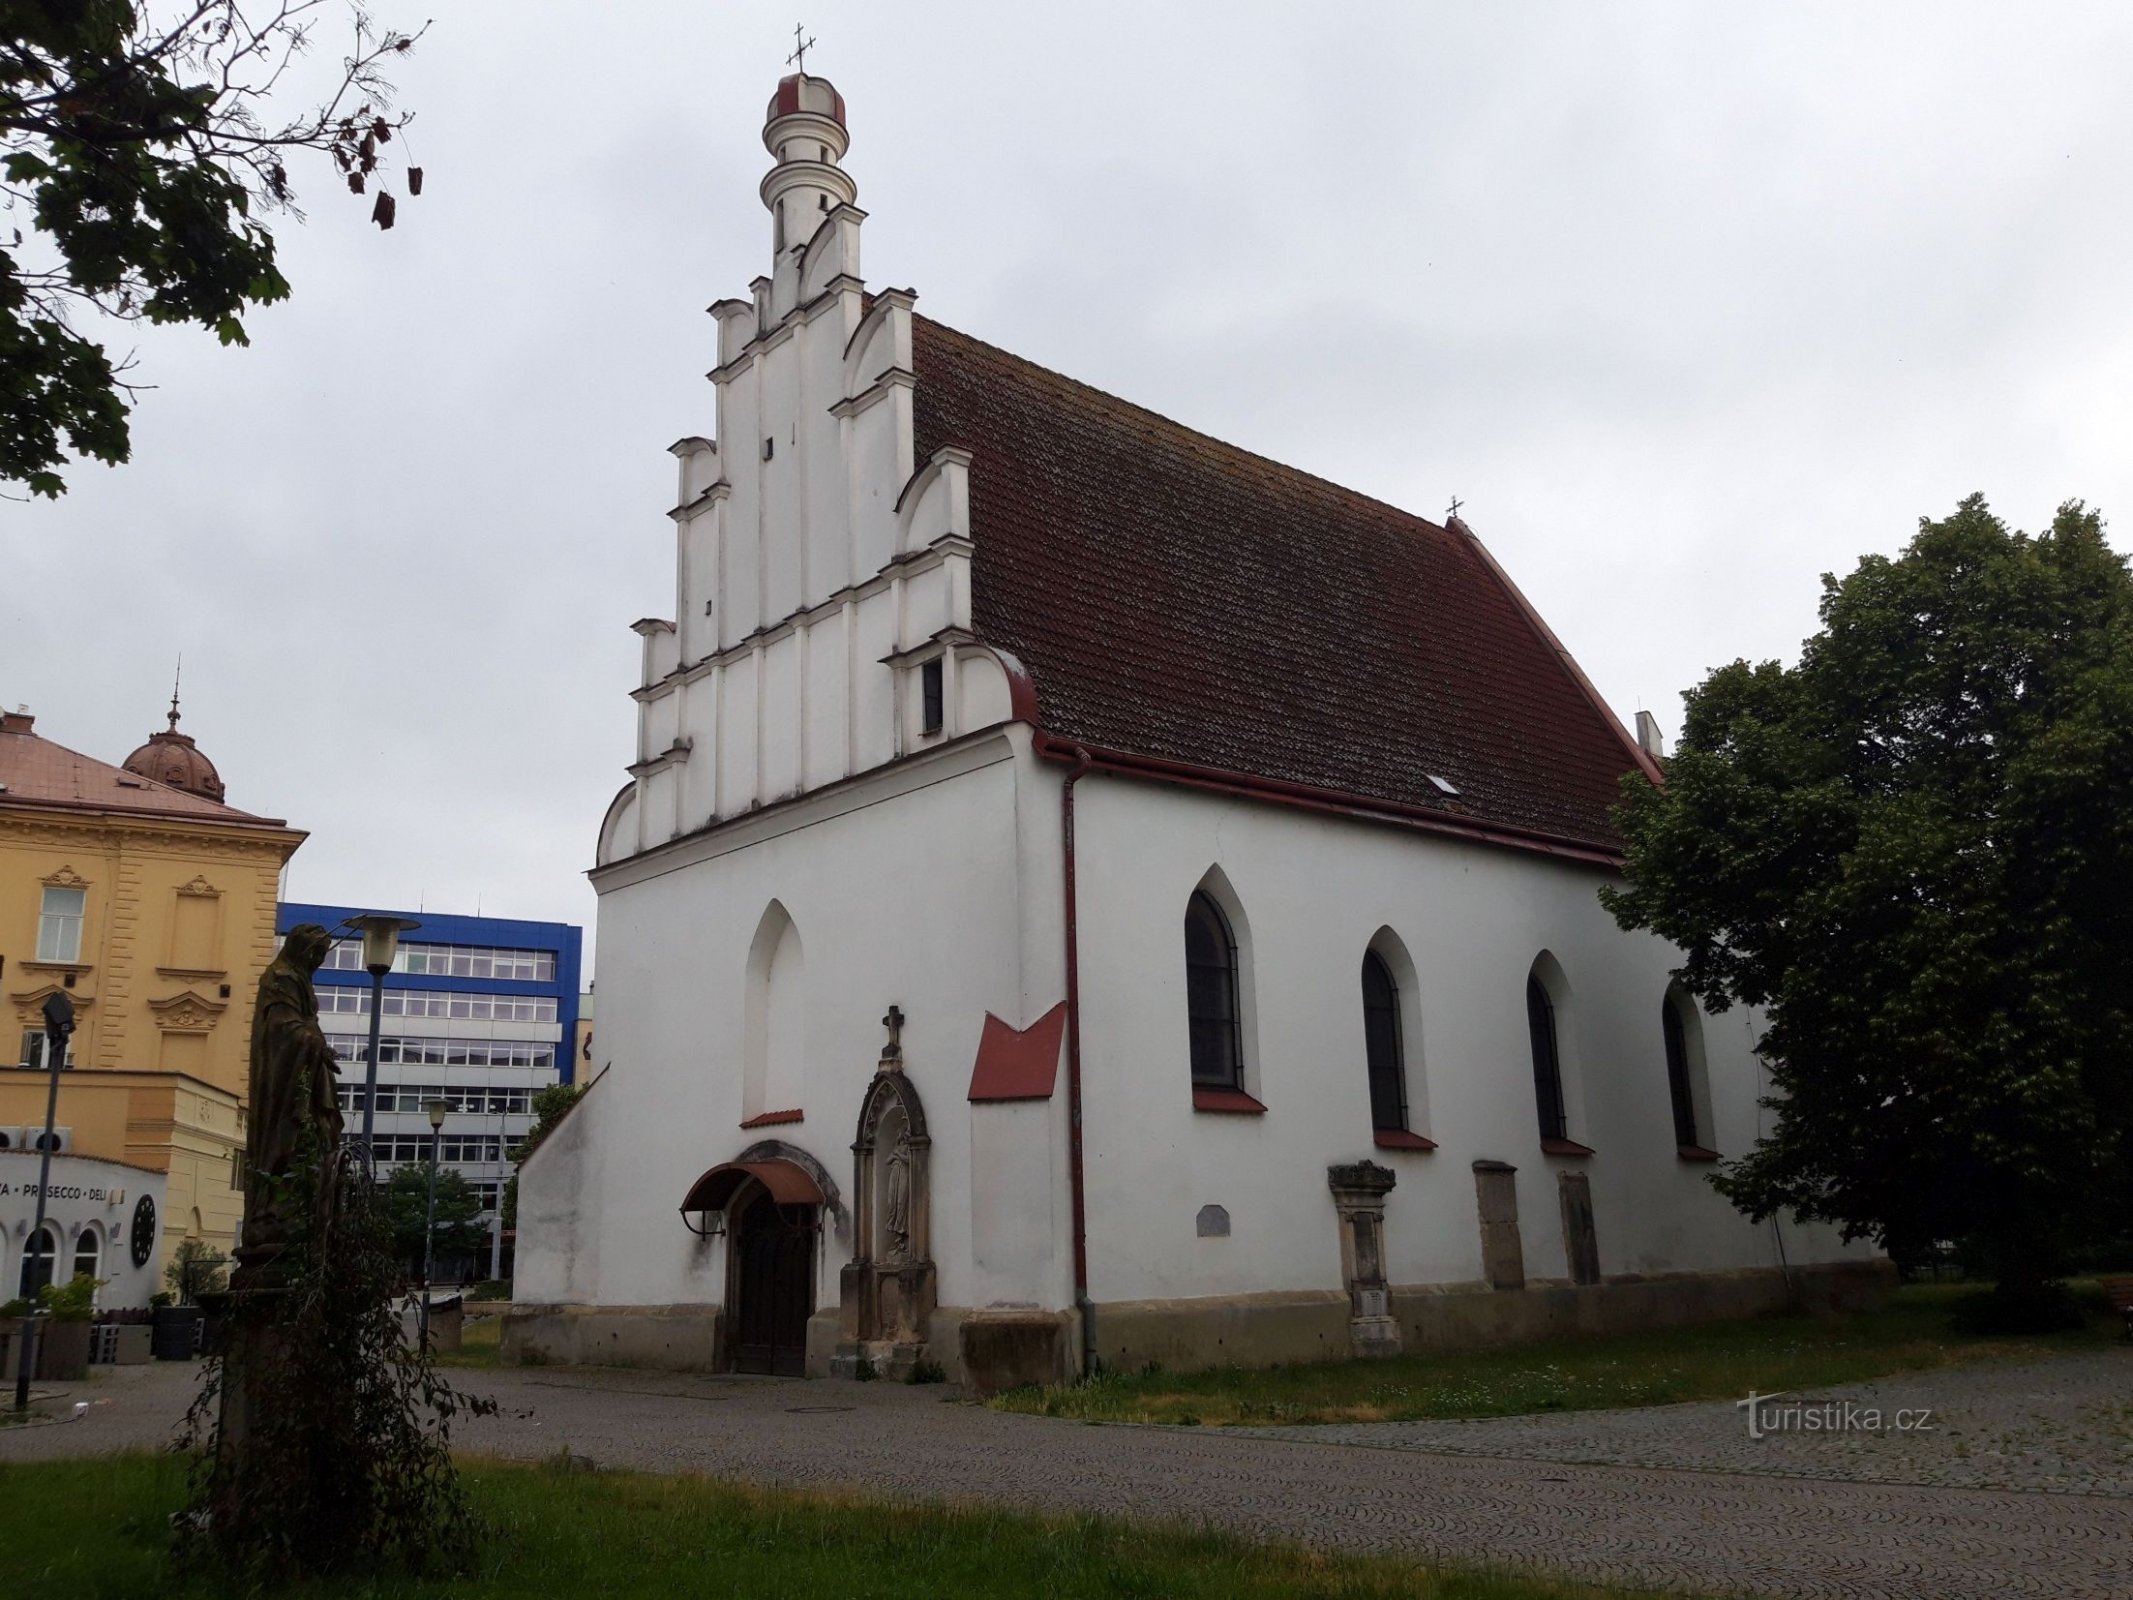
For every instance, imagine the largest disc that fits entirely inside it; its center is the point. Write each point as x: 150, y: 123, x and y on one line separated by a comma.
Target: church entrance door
x: 774, y: 1286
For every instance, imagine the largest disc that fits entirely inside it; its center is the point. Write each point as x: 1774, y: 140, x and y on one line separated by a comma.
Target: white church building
x: 1089, y: 894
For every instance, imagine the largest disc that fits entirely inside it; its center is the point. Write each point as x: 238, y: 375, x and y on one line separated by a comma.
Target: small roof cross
x: 1456, y: 504
x: 894, y: 1022
x: 801, y: 46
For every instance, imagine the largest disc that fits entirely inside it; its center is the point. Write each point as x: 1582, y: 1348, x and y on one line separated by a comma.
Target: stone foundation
x: 998, y: 1350
x: 1271, y: 1329
x: 671, y: 1338
x: 991, y: 1350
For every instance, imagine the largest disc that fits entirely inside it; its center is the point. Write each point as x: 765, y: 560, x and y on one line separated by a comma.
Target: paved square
x: 2024, y: 1487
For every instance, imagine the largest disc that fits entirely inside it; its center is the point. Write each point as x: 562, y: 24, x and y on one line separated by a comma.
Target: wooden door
x: 774, y: 1287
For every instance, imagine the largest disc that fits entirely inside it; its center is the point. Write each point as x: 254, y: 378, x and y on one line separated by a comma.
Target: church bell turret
x: 804, y: 130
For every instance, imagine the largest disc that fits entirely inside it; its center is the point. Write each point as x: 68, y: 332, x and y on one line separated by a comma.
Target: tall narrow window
x: 88, y: 1253
x: 1547, y: 1065
x: 38, y: 1255
x: 1211, y: 995
x: 59, y: 924
x: 1677, y: 1072
x: 932, y: 716
x: 1381, y: 1044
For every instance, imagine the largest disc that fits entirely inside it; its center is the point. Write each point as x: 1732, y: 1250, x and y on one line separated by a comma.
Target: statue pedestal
x: 884, y: 1308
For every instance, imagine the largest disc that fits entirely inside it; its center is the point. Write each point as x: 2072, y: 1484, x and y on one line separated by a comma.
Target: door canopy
x: 789, y: 1183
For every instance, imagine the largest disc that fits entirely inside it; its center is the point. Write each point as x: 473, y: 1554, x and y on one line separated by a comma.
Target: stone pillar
x: 1503, y: 1259
x: 1359, y: 1191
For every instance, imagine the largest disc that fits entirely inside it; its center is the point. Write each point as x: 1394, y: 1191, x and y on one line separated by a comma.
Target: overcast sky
x: 1689, y: 303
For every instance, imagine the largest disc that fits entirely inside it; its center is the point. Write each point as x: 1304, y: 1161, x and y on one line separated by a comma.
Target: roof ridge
x: 1184, y: 433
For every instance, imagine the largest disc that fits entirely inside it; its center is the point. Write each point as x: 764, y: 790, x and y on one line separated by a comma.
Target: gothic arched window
x: 1547, y: 1061
x: 1381, y: 1045
x: 1211, y: 995
x: 1678, y: 1083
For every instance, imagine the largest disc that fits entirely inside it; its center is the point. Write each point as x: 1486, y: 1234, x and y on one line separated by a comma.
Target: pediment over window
x: 188, y: 1011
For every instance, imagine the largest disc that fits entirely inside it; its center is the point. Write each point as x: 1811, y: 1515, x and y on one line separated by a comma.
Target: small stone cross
x: 801, y: 46
x: 894, y: 1022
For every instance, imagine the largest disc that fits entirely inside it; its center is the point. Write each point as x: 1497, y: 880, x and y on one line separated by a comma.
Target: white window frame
x: 59, y: 931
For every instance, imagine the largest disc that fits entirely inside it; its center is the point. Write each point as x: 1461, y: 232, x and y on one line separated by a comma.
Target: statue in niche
x: 898, y: 1209
x: 294, y: 1103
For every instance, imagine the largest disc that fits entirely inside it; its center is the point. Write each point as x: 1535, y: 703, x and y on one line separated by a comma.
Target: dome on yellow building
x: 171, y: 757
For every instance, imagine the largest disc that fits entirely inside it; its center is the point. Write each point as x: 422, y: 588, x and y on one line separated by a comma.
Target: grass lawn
x: 1712, y: 1361
x: 99, y: 1530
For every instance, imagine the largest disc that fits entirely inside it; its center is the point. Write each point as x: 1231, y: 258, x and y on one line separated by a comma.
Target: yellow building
x: 147, y: 901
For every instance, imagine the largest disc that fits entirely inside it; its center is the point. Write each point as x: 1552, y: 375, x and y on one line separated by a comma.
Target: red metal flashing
x: 1226, y: 1100
x: 773, y: 1119
x: 1018, y: 1063
x: 1564, y: 1147
x: 1401, y: 1139
x: 1696, y: 1152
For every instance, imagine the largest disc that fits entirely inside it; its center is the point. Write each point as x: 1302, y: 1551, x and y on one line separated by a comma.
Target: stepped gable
x: 1176, y: 597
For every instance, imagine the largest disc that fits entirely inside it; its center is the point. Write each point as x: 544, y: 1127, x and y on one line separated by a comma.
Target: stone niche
x: 1359, y: 1191
x: 888, y: 1290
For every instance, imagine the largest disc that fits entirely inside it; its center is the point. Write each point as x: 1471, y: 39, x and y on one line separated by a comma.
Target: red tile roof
x: 1176, y: 597
x: 36, y: 772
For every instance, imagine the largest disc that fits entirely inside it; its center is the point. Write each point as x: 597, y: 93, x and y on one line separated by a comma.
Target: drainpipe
x: 1076, y: 1182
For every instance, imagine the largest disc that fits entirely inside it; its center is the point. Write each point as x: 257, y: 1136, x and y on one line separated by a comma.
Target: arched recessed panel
x: 774, y: 1028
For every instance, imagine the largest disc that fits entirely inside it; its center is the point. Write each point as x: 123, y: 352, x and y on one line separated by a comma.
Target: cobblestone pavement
x: 1730, y: 1532
x: 2063, y: 1426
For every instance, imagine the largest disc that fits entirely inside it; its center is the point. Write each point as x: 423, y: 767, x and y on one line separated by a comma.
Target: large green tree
x: 142, y: 147
x: 1914, y: 850
x: 459, y: 1232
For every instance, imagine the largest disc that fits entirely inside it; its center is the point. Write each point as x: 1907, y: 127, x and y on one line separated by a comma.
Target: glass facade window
x: 403, y: 1147
x: 459, y: 1099
x: 452, y: 961
x: 351, y: 1001
x: 59, y: 921
x: 394, y: 1051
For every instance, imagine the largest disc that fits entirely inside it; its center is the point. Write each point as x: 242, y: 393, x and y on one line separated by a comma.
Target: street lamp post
x: 58, y: 1023
x: 381, y: 943
x: 429, y: 1223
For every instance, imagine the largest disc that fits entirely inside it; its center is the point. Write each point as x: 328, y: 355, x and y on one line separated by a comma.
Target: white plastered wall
x: 1471, y: 920
x: 939, y: 897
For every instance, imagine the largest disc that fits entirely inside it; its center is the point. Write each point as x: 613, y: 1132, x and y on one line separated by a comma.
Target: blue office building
x: 478, y: 1012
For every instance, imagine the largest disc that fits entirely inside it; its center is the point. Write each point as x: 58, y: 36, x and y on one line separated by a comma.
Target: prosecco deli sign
x: 66, y: 1191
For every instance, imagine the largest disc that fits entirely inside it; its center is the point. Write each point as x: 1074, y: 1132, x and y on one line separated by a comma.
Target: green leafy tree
x: 1914, y: 850
x: 459, y: 1226
x: 196, y: 1268
x: 140, y: 155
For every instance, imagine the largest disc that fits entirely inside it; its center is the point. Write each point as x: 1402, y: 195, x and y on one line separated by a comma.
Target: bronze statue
x: 293, y: 1102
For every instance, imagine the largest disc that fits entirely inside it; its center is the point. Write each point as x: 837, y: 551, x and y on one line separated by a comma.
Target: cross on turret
x: 798, y: 58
